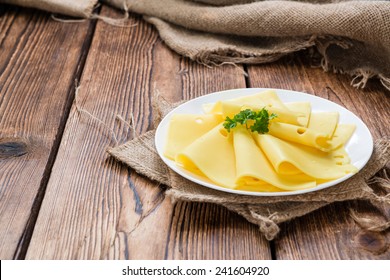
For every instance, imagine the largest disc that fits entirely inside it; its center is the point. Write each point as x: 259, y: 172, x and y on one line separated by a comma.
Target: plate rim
x: 186, y: 174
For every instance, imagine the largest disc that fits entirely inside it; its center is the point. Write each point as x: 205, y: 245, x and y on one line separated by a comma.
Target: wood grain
x: 329, y: 233
x: 38, y: 65
x: 96, y: 208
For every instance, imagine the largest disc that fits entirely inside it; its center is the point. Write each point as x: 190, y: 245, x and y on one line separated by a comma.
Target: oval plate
x: 359, y: 147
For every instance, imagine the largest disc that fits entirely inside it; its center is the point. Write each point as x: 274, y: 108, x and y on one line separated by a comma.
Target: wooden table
x: 63, y: 197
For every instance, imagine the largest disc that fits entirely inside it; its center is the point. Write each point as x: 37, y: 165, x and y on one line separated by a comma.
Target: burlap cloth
x: 266, y: 212
x: 78, y: 8
x: 351, y: 36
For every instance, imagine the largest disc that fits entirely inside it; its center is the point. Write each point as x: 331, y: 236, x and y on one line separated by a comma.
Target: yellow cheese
x: 300, y: 134
x: 213, y: 155
x: 267, y: 98
x: 212, y: 108
x: 271, y: 99
x: 284, y: 115
x: 185, y: 128
x: 302, y: 149
x: 341, y: 136
x: 216, y: 108
x: 304, y: 108
x: 252, y: 167
x: 229, y: 109
x: 324, y: 122
x: 283, y: 155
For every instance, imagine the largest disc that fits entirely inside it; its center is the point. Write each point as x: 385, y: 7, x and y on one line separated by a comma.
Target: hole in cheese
x: 301, y: 130
x: 322, y: 142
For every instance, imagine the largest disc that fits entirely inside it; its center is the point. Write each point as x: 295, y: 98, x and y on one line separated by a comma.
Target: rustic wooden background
x: 63, y: 197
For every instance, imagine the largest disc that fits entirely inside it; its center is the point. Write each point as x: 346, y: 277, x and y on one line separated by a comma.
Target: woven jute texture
x: 266, y: 212
x: 79, y: 8
x: 351, y: 36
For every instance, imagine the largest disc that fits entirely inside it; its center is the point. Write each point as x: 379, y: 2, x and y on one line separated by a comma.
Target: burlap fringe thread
x: 264, y: 31
x: 118, y: 22
x: 266, y: 212
x: 214, y: 33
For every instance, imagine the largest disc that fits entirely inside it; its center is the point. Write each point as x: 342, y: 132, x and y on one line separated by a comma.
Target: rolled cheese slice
x: 287, y: 157
x: 300, y: 134
x: 253, y: 168
x: 341, y: 135
x: 212, y: 155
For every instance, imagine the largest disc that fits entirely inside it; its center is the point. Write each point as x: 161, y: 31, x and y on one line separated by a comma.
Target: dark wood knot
x: 372, y: 241
x: 9, y: 148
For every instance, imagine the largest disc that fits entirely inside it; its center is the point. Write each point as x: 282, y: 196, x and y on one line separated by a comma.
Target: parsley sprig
x: 259, y: 119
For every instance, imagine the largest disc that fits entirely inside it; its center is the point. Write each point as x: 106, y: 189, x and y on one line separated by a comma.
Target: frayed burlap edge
x: 236, y: 53
x: 81, y: 8
x: 206, y: 36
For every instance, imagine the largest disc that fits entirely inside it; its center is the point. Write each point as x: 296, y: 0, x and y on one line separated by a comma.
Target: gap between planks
x: 25, y: 239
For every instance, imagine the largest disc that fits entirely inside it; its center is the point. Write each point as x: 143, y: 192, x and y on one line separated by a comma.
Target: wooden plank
x: 96, y: 208
x: 38, y: 65
x: 205, y: 231
x: 329, y: 233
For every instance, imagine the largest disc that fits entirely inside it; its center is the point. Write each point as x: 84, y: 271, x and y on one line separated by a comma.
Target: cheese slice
x: 213, y: 155
x: 229, y: 109
x: 304, y: 108
x: 341, y: 136
x: 185, y: 128
x: 212, y: 108
x: 285, y: 155
x: 324, y: 122
x: 302, y: 149
x: 300, y: 134
x: 216, y: 108
x: 253, y: 168
x: 271, y: 99
x: 267, y: 98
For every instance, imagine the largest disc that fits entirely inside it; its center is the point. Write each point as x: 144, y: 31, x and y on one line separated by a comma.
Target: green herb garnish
x: 260, y: 120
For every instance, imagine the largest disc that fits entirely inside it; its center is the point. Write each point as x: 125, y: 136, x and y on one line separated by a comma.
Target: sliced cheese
x: 271, y: 99
x: 317, y: 164
x: 253, y: 168
x: 229, y: 109
x: 185, y: 129
x: 324, y: 122
x: 304, y: 108
x: 213, y: 155
x: 212, y: 108
x: 300, y: 134
x: 341, y: 136
x: 216, y: 108
x: 302, y: 149
x: 267, y: 98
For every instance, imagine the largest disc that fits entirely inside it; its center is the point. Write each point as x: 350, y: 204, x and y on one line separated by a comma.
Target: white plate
x: 359, y: 147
